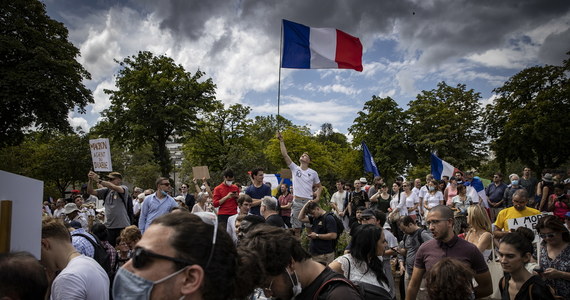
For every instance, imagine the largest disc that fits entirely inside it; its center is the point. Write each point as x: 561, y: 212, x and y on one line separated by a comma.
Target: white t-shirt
x: 58, y: 212
x: 338, y: 199
x: 82, y: 278
x: 303, y: 181
x: 359, y: 271
x: 423, y: 192
x: 433, y: 200
x: 410, y: 201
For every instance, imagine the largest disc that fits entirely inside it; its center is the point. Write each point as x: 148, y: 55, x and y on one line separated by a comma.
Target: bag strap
x: 94, y: 243
x: 530, y: 290
x: 335, y: 279
x: 348, y: 260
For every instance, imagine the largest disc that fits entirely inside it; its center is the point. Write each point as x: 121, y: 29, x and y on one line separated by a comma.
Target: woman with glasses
x: 363, y: 265
x: 555, y: 254
x: 515, y: 251
x: 381, y: 198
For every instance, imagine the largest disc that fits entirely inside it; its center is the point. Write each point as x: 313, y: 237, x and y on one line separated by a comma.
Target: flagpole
x: 279, y: 82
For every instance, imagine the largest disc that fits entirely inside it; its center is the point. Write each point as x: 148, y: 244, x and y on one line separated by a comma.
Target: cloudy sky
x: 409, y: 46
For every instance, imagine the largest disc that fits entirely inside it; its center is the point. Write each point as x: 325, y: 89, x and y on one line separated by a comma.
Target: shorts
x: 295, y: 210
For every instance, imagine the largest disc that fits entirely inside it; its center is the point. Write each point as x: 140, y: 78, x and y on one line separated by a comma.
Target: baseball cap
x: 69, y: 208
x: 114, y: 175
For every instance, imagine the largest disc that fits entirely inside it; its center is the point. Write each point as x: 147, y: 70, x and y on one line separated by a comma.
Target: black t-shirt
x: 323, y: 225
x: 275, y: 220
x: 358, y: 199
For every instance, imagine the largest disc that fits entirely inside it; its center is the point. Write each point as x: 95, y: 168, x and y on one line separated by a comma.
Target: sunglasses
x: 166, y: 183
x: 547, y: 235
x: 141, y: 258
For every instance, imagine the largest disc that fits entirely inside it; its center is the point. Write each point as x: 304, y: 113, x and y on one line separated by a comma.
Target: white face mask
x: 297, y: 289
x: 229, y: 182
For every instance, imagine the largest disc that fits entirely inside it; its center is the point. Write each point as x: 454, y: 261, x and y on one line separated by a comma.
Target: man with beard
x: 446, y: 244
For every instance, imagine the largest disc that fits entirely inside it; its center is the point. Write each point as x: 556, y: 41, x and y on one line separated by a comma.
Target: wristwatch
x: 317, y: 235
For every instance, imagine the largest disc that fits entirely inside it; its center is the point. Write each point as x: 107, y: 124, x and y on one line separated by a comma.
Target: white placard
x: 26, y: 195
x: 101, y: 155
x: 528, y: 222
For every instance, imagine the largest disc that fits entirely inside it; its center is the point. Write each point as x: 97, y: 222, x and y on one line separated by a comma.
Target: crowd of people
x: 410, y: 239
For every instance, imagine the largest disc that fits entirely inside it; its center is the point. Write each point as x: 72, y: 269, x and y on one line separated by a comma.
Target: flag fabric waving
x: 319, y: 48
x: 369, y: 165
x: 441, y: 168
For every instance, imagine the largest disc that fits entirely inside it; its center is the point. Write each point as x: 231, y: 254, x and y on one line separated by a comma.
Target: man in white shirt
x: 337, y: 203
x: 80, y: 277
x: 304, y: 180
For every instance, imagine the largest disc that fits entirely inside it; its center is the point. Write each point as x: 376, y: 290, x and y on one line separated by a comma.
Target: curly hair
x: 443, y: 273
x: 131, y: 234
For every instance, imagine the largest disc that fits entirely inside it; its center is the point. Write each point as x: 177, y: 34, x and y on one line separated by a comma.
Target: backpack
x: 128, y: 205
x: 333, y: 280
x: 339, y: 227
x: 420, y: 238
x: 101, y: 255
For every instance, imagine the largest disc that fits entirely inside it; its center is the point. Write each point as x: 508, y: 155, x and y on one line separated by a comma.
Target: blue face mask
x: 515, y: 182
x: 129, y: 286
x: 431, y: 188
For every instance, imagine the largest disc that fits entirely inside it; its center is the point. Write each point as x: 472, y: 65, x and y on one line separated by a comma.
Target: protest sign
x: 201, y: 172
x: 101, y: 155
x: 528, y: 222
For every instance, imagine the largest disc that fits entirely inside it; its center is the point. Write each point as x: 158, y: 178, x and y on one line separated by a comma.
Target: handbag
x: 496, y: 272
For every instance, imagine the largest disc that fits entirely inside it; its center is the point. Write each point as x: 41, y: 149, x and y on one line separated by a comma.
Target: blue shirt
x: 153, y: 208
x: 494, y: 192
x: 82, y: 245
x: 257, y: 193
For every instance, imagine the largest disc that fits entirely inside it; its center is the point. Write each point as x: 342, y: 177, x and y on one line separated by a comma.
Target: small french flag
x: 319, y: 48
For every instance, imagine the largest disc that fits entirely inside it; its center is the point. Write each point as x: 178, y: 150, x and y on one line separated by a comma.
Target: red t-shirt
x: 229, y: 207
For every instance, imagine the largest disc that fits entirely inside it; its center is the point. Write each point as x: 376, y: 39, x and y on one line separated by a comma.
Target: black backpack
x: 101, y: 255
x: 339, y: 227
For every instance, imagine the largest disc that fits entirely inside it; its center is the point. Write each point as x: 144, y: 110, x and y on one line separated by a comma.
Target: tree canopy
x: 156, y: 101
x: 40, y: 77
x: 530, y: 117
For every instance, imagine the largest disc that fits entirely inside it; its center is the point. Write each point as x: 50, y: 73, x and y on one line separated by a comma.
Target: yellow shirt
x: 513, y: 213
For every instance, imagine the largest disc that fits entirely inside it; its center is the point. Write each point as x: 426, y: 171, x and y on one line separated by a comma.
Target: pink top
x: 560, y: 209
x: 451, y: 192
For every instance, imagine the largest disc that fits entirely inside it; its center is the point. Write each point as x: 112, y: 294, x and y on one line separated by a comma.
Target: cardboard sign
x: 286, y: 173
x: 201, y: 172
x: 528, y: 222
x: 101, y: 155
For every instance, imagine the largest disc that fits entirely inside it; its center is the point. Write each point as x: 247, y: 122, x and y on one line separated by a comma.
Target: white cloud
x: 311, y: 112
x: 78, y: 122
x: 102, y: 100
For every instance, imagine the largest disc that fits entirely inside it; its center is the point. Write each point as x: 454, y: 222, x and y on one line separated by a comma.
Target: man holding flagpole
x: 304, y: 179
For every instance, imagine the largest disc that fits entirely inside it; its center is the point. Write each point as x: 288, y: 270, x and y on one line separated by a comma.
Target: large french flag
x: 440, y: 167
x: 319, y: 48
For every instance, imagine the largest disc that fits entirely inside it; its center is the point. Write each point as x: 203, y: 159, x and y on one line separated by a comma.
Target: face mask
x: 229, y: 182
x: 164, y: 193
x: 515, y: 182
x: 296, y: 286
x: 130, y: 286
x: 431, y: 188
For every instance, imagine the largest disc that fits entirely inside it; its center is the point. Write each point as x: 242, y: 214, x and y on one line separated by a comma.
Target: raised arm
x: 288, y: 160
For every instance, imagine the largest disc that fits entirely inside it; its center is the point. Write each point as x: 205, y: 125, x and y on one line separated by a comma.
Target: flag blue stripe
x: 296, y: 51
x: 436, y: 167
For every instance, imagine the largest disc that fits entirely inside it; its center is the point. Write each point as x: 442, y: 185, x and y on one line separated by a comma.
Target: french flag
x: 440, y: 167
x: 319, y: 48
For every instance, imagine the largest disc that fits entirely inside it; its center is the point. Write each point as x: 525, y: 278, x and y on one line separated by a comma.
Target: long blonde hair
x: 477, y: 218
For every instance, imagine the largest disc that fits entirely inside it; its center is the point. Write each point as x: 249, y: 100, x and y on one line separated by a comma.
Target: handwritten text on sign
x: 101, y: 154
x: 528, y: 222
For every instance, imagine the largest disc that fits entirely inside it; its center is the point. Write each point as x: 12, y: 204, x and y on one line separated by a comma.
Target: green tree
x: 382, y: 125
x: 327, y: 134
x: 59, y: 160
x: 447, y: 120
x: 156, y: 102
x: 529, y: 118
x: 40, y: 77
x: 222, y: 143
